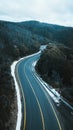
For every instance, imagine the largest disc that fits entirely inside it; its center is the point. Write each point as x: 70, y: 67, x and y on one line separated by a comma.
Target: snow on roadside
x: 55, y: 95
x: 52, y: 92
x: 19, y: 114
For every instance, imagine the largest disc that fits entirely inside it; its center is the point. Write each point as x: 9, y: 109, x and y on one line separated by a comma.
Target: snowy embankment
x: 52, y: 92
x: 19, y: 113
x: 55, y: 95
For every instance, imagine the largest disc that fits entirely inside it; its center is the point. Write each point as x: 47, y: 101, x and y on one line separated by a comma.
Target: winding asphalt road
x: 39, y: 113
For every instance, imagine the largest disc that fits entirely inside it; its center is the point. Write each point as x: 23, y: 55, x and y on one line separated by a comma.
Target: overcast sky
x: 50, y: 11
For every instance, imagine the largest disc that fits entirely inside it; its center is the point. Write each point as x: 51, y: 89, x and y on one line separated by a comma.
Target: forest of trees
x: 56, y: 67
x: 21, y: 39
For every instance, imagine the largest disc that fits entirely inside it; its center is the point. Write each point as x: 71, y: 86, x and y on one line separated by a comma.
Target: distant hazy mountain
x: 31, y: 32
x: 52, y: 32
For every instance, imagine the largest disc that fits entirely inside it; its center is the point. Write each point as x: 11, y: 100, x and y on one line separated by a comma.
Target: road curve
x: 39, y: 113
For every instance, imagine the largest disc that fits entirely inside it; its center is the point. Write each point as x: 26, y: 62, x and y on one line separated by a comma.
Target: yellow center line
x: 50, y: 104
x: 42, y: 117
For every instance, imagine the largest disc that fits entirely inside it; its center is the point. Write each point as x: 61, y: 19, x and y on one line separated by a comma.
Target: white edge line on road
x: 41, y: 83
x: 19, y: 113
x: 52, y: 92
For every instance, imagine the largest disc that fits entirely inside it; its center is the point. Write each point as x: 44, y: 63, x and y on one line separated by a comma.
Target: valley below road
x: 40, y: 111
